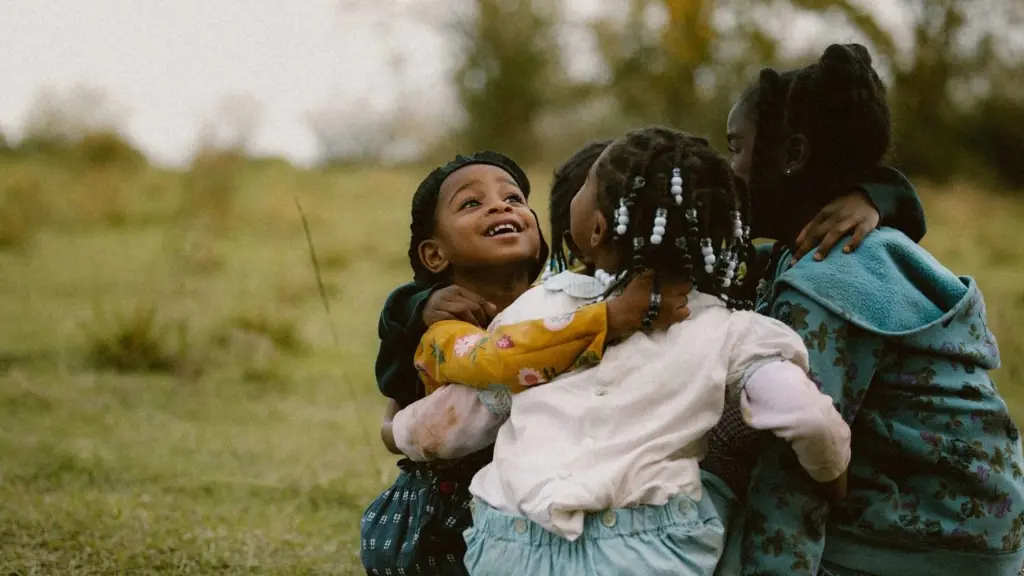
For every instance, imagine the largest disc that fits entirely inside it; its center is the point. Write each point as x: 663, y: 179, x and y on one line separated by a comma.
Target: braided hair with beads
x: 675, y: 208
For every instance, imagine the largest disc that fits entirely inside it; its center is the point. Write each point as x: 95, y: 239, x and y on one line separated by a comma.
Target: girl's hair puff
x: 839, y: 103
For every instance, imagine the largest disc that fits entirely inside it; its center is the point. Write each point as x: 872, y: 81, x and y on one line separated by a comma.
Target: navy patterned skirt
x: 416, y: 525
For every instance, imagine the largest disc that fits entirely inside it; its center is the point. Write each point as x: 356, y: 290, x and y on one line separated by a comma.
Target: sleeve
x: 779, y: 397
x: 758, y: 341
x: 784, y: 526
x: 400, y: 329
x: 515, y: 356
x: 450, y: 423
x: 897, y: 202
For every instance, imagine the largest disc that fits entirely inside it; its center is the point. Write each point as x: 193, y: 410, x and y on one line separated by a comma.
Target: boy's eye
x: 470, y: 203
x: 514, y: 199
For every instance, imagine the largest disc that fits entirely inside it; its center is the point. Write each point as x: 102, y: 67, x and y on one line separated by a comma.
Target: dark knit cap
x: 424, y: 207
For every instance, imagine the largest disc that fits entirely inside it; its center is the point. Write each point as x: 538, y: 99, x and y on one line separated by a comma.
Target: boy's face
x: 482, y: 221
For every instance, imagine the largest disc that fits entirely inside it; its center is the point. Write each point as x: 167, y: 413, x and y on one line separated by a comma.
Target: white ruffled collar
x: 577, y: 285
x: 584, y: 287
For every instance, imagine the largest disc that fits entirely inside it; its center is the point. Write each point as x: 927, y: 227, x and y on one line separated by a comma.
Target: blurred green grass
x: 255, y: 456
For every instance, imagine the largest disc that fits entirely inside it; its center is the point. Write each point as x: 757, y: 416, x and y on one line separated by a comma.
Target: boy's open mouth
x: 502, y: 229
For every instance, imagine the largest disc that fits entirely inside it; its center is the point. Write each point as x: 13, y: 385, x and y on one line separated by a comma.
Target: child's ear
x: 432, y: 255
x: 600, y: 230
x: 798, y: 153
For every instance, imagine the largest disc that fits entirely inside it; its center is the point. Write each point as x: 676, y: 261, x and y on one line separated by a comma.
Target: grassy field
x: 171, y: 398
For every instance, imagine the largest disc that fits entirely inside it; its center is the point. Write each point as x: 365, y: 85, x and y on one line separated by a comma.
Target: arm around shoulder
x: 515, y: 356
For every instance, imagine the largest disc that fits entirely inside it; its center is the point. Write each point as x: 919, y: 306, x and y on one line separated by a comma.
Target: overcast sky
x: 169, y: 63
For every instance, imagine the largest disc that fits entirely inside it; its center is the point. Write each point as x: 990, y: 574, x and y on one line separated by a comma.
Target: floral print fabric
x: 513, y: 357
x: 937, y: 461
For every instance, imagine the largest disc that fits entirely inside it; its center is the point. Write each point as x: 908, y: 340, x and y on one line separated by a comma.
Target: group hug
x: 726, y: 362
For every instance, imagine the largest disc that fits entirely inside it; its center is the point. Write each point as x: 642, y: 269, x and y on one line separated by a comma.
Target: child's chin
x: 511, y: 258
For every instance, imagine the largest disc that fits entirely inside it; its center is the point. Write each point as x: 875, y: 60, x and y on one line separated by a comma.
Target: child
x: 567, y: 181
x: 471, y: 227
x: 600, y: 466
x: 897, y: 340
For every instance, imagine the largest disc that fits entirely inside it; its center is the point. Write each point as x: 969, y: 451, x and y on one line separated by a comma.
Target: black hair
x: 424, y: 210
x: 567, y: 181
x: 707, y: 215
x: 839, y: 104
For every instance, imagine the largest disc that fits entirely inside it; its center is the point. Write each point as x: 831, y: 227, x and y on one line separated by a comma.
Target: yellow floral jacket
x: 517, y: 356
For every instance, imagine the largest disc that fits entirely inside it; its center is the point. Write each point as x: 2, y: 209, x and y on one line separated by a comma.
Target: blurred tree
x: 60, y: 119
x: 653, y: 57
x: 81, y: 122
x: 680, y: 62
x: 232, y: 123
x: 507, y: 70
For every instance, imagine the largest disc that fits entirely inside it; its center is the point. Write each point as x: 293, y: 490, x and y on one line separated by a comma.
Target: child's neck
x: 498, y: 287
x: 602, y: 258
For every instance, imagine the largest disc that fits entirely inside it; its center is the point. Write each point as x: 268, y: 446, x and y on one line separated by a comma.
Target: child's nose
x: 500, y: 206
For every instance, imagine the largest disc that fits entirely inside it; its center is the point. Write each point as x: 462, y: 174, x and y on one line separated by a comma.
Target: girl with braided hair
x: 471, y: 227
x: 597, y: 471
x: 900, y: 343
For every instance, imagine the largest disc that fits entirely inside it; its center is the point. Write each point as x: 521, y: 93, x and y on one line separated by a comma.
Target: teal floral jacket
x: 936, y: 484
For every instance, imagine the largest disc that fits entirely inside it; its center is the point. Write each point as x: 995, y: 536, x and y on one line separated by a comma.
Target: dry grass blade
x: 316, y: 269
x: 330, y: 321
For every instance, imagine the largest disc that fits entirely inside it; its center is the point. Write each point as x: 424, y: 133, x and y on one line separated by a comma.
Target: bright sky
x: 170, y: 63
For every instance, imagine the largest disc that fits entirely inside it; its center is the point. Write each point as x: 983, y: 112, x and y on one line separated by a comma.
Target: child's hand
x: 626, y: 313
x: 836, y: 490
x: 386, y: 434
x: 853, y: 212
x: 454, y: 303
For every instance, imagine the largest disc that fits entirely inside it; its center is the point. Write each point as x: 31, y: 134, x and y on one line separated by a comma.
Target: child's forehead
x: 483, y: 173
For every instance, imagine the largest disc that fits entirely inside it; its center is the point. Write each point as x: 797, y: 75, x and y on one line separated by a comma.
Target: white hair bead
x: 621, y: 230
x: 660, y: 221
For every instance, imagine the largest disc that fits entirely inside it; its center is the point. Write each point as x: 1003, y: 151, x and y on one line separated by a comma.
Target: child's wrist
x: 617, y: 321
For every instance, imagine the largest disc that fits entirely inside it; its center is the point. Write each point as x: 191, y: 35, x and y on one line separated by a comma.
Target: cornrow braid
x: 567, y: 181
x: 683, y: 204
